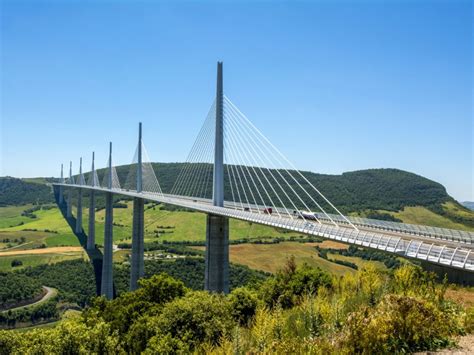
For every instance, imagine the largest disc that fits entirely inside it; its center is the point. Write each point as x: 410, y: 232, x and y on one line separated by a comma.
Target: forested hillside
x: 15, y: 191
x: 356, y: 191
x: 384, y: 189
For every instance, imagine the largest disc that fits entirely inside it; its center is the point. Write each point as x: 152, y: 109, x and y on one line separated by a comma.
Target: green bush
x: 291, y: 284
x: 243, y: 304
x: 398, y: 324
x: 196, y: 318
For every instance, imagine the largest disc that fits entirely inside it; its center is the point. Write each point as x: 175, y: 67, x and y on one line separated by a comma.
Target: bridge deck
x: 451, y: 249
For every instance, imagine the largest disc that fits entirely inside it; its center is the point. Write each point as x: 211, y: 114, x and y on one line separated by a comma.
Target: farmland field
x: 272, y: 257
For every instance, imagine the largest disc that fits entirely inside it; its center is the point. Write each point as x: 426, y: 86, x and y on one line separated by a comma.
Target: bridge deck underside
x: 450, y: 252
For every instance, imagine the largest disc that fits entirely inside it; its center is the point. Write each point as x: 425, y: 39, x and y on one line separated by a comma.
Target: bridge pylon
x: 107, y: 284
x: 137, y: 268
x: 91, y: 230
x: 79, y: 202
x: 60, y: 189
x: 217, y: 227
x: 69, y: 194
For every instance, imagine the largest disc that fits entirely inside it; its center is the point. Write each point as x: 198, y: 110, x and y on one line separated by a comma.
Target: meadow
x: 272, y: 257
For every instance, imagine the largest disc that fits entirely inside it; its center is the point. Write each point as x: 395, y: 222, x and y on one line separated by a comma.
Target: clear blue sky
x: 337, y: 86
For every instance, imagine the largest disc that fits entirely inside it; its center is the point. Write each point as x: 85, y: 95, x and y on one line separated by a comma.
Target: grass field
x: 422, y: 215
x: 187, y: 226
x: 462, y: 295
x: 272, y: 257
x: 11, y: 216
x: 38, y: 259
x: 358, y: 261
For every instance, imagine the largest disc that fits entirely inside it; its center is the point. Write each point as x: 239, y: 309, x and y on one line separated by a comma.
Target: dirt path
x: 41, y: 251
x: 15, y: 247
x: 50, y: 292
x: 465, y: 346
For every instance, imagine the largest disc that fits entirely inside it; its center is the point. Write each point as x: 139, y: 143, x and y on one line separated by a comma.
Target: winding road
x: 50, y: 293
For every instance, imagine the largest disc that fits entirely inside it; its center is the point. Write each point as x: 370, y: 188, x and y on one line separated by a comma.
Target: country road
x: 41, y: 251
x: 50, y: 293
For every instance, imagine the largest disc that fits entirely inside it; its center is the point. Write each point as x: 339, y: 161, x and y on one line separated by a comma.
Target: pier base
x: 107, y: 285
x: 79, y: 212
x: 217, y: 254
x: 137, y: 263
x: 91, y: 230
x: 69, y: 204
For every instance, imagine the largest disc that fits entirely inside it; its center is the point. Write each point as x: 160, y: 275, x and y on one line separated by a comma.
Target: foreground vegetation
x: 299, y: 310
x: 76, y: 283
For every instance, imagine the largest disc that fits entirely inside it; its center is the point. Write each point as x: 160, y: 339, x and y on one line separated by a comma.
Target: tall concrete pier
x: 137, y: 262
x: 61, y: 189
x: 91, y: 230
x: 69, y: 193
x: 107, y: 285
x: 79, y: 202
x: 217, y: 227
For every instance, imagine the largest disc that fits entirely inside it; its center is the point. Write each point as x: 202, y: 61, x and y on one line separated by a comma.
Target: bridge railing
x: 420, y: 230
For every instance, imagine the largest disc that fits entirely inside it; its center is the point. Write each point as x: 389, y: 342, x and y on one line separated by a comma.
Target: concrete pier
x: 61, y: 189
x: 80, y: 179
x: 90, y: 245
x: 217, y: 254
x: 137, y: 263
x: 79, y: 212
x: 69, y: 203
x: 69, y: 193
x: 107, y: 285
x: 91, y: 230
x: 217, y: 227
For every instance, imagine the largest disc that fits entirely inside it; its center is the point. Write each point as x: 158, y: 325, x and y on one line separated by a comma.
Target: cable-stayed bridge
x: 234, y: 171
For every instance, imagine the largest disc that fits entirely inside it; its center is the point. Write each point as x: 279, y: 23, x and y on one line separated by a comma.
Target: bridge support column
x: 61, y: 189
x: 69, y: 204
x: 217, y: 254
x: 69, y: 193
x: 216, y: 277
x: 137, y: 263
x: 60, y: 195
x: 107, y: 285
x: 91, y: 231
x: 79, y: 212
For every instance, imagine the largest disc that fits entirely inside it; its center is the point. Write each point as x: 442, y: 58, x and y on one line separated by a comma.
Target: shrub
x: 291, y: 284
x: 16, y: 262
x: 197, y: 317
x: 397, y: 324
x: 243, y: 303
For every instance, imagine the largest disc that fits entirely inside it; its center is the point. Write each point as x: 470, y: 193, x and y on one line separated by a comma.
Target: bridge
x: 234, y: 171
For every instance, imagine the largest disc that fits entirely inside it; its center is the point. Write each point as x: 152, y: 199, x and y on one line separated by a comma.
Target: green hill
x: 468, y: 204
x: 15, y: 191
x: 376, y: 189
